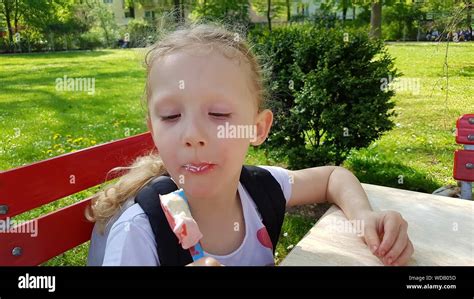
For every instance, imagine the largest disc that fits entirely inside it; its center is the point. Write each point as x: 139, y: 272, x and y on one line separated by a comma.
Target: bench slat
x: 57, y: 232
x: 28, y: 187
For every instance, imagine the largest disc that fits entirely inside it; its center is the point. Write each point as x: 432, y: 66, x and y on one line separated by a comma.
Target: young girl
x: 200, y: 80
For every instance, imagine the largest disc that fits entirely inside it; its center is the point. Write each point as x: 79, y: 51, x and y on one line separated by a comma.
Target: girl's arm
x: 339, y: 186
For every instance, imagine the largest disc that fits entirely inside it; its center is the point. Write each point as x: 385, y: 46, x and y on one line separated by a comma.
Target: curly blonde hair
x: 230, y: 43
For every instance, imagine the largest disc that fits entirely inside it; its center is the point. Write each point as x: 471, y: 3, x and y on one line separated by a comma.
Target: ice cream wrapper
x: 176, y: 209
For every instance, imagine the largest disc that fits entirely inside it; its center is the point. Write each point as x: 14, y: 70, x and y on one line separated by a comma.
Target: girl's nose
x: 194, y: 135
x: 191, y: 143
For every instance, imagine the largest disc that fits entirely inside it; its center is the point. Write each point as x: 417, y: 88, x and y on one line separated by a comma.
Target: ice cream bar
x: 176, y: 209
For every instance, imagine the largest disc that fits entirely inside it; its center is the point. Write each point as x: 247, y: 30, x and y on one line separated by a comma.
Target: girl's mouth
x: 200, y: 168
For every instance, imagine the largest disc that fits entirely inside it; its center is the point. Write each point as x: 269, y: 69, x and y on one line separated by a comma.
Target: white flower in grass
x: 290, y: 247
x: 285, y: 235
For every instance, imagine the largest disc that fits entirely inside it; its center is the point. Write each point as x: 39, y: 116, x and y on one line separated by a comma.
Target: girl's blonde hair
x: 230, y: 43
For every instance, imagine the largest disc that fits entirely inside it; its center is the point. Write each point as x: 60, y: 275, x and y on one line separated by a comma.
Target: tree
x: 177, y: 7
x: 12, y: 10
x: 98, y: 15
x: 376, y: 19
x: 402, y: 20
x: 338, y: 5
x: 229, y: 11
x: 469, y: 15
x: 45, y: 16
x: 446, y: 15
x: 105, y: 20
x: 272, y: 9
x: 345, y: 5
x: 269, y: 14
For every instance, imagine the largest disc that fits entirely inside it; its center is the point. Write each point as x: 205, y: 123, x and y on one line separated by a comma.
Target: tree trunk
x: 15, y: 21
x: 177, y: 11
x: 18, y: 13
x: 344, y: 10
x: 400, y: 28
x: 106, y: 32
x: 269, y: 18
x: 7, y: 12
x: 17, y: 16
x: 469, y: 16
x: 288, y: 11
x: 183, y: 15
x: 51, y: 38
x: 376, y: 19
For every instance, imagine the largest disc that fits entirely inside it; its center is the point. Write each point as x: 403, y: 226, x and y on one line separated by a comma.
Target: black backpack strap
x: 169, y: 250
x: 267, y: 194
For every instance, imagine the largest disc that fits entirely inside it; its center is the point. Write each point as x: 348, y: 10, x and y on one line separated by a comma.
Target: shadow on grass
x: 466, y: 71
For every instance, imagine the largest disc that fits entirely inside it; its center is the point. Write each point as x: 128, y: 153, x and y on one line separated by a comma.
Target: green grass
x: 38, y: 122
x: 420, y: 148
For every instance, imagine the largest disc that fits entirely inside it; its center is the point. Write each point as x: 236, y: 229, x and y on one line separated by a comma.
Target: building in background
x: 147, y: 10
x: 123, y: 14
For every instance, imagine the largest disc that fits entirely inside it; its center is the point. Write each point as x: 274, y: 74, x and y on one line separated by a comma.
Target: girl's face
x: 203, y: 116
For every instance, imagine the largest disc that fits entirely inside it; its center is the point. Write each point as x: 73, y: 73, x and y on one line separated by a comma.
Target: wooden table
x: 441, y: 229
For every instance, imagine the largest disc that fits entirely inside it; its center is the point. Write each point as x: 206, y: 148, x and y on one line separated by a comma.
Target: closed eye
x: 170, y: 117
x: 220, y: 115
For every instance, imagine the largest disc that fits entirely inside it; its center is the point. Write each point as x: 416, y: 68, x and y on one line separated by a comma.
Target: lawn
x: 418, y: 153
x: 39, y: 122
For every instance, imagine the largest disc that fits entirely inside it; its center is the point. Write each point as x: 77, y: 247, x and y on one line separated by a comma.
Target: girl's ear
x: 263, y: 125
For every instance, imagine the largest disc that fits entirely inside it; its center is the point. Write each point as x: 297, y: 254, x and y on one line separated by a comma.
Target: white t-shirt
x: 130, y: 240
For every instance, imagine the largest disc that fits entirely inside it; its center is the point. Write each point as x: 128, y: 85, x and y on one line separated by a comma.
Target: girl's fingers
x: 405, y: 255
x: 206, y: 261
x: 391, y: 228
x: 371, y: 237
x: 399, y: 245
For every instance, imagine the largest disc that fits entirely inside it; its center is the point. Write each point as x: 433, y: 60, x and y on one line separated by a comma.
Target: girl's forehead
x: 187, y: 58
x: 179, y: 70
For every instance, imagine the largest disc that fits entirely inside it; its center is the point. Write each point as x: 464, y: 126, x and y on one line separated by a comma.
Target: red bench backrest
x: 28, y: 187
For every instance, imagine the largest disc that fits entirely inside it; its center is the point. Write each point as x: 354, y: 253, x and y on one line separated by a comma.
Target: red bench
x: 28, y: 187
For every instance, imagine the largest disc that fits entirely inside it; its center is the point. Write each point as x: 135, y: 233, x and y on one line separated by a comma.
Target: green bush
x: 4, y: 44
x: 326, y: 93
x: 32, y: 40
x: 142, y: 33
x: 90, y: 40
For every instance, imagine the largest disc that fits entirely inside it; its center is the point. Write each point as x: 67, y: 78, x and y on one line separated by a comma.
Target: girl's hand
x: 206, y: 261
x: 385, y: 233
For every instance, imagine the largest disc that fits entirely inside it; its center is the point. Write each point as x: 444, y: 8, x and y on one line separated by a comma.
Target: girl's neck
x: 223, y: 204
